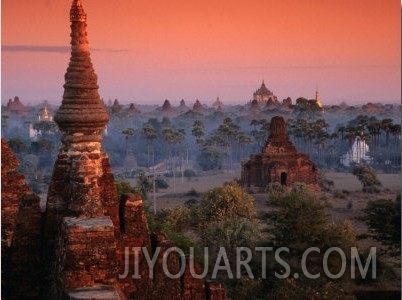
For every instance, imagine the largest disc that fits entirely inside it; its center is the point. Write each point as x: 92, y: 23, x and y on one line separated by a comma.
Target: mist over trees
x: 174, y: 140
x: 222, y: 139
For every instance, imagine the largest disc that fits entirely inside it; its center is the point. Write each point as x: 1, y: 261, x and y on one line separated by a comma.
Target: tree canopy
x: 368, y: 177
x: 383, y: 217
x: 225, y: 203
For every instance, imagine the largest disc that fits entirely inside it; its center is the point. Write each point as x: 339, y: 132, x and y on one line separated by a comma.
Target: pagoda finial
x: 45, y: 112
x: 77, y: 13
x: 317, y: 99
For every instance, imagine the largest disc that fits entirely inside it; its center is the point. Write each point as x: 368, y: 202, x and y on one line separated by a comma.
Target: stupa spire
x: 317, y: 99
x: 82, y: 170
x: 45, y: 112
x: 77, y: 13
x: 81, y: 110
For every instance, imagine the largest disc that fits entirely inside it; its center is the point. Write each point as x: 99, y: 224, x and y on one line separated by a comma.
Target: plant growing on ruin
x: 124, y: 187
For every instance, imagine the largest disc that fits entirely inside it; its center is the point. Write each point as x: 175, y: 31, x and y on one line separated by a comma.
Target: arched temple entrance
x: 284, y: 178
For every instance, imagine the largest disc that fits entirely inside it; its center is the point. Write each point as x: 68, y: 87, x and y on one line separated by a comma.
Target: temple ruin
x: 20, y: 232
x: 263, y: 95
x: 279, y: 162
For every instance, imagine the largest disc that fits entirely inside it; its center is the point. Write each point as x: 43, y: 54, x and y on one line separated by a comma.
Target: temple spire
x: 317, y: 99
x: 81, y: 110
x: 45, y: 112
x: 77, y: 13
x: 82, y: 169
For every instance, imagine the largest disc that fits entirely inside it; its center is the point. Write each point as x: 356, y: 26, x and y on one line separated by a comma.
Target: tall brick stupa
x: 87, y: 233
x: 81, y: 165
x: 82, y: 190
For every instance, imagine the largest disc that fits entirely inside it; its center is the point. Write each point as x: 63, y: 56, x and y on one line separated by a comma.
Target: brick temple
x: 78, y: 247
x: 279, y: 162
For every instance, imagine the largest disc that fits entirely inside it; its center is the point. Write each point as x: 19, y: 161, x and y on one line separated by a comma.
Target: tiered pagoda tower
x: 82, y: 170
x: 88, y: 233
x: 263, y: 94
x: 82, y: 191
x: 279, y: 162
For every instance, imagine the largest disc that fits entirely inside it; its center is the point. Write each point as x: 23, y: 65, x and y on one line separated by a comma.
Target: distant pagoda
x: 197, y: 107
x: 218, y: 105
x: 279, y: 162
x: 263, y: 94
x: 317, y: 100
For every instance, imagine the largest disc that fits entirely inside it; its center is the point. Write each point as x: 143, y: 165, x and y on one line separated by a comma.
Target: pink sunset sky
x: 145, y: 51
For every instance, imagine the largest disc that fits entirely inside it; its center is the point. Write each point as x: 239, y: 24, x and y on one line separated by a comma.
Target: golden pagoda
x: 317, y: 100
x: 45, y: 116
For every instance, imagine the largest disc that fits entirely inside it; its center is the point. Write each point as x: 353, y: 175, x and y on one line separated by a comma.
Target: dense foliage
x: 299, y: 221
x: 368, y: 177
x: 383, y: 218
x: 223, y: 204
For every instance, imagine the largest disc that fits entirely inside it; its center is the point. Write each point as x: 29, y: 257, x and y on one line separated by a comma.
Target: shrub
x: 124, y: 187
x: 230, y: 235
x: 160, y: 183
x: 277, y: 187
x: 229, y: 202
x: 192, y: 193
x: 299, y: 221
x: 189, y: 173
x: 383, y: 218
x: 368, y: 177
x: 177, y: 218
x: 210, y: 159
x: 339, y: 194
x: 325, y: 184
x: 190, y: 202
x: 173, y: 222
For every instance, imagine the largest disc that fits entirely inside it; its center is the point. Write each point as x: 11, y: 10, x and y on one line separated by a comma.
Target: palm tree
x: 342, y: 130
x: 301, y: 131
x: 386, y: 125
x: 149, y: 132
x: 260, y: 135
x: 374, y: 129
x: 243, y: 139
x: 395, y: 131
x: 228, y: 130
x: 173, y: 136
x: 127, y: 133
x: 168, y: 136
x: 179, y: 137
x: 198, y: 131
x: 351, y: 134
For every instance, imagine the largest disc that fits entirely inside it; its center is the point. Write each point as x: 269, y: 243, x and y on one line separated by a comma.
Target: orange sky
x: 145, y: 51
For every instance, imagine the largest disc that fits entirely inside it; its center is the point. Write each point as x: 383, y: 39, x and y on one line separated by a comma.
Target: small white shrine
x: 358, y: 154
